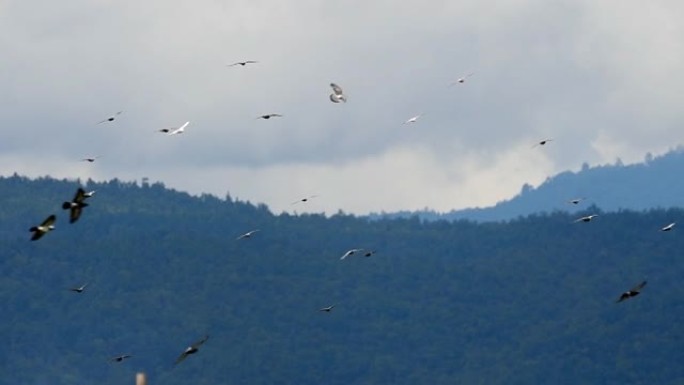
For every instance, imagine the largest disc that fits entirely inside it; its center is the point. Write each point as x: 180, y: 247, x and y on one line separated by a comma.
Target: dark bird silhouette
x: 305, y: 199
x: 369, y: 253
x: 90, y: 159
x: 76, y: 205
x: 45, y: 227
x: 633, y: 292
x: 576, y: 201
x: 79, y: 289
x: 269, y: 116
x: 111, y: 118
x: 120, y: 358
x: 462, y: 79
x: 327, y: 309
x: 192, y: 349
x: 242, y: 63
x: 542, y: 142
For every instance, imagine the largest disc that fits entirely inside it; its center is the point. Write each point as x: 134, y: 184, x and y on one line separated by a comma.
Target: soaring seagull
x: 576, y: 201
x: 76, y: 205
x: 242, y: 63
x: 668, y: 227
x: 337, y: 94
x: 327, y: 309
x: 588, y: 218
x: 349, y: 253
x: 120, y: 358
x: 40, y: 230
x: 633, y: 292
x: 79, y: 289
x: 247, y: 234
x: 174, y: 130
x: 111, y: 118
x: 413, y: 119
x: 192, y: 349
x: 269, y: 116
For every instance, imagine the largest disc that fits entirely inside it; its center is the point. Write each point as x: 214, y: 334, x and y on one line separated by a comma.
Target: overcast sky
x: 603, y: 79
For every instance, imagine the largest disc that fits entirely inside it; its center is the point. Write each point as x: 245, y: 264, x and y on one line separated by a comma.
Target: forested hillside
x: 530, y: 301
x: 653, y: 183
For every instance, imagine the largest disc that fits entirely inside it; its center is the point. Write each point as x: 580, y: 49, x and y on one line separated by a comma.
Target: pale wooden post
x: 140, y: 379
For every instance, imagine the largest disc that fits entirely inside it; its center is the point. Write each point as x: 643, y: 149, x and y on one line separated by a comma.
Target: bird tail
x: 66, y: 205
x: 34, y: 228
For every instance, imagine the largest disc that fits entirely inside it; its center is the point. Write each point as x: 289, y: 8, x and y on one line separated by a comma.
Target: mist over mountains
x: 654, y: 183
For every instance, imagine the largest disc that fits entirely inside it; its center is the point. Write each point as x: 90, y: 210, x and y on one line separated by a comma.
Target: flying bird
x: 576, y: 201
x: 45, y: 227
x: 668, y: 227
x: 246, y: 235
x: 89, y: 194
x: 192, y: 349
x: 413, y: 119
x: 338, y: 94
x: 542, y: 142
x: 120, y: 358
x: 242, y: 63
x: 588, y: 218
x: 463, y: 79
x: 327, y: 309
x: 633, y: 292
x: 174, y: 130
x: 91, y: 159
x: 76, y: 205
x: 306, y: 199
x: 269, y: 116
x: 111, y: 118
x: 349, y: 253
x: 79, y: 289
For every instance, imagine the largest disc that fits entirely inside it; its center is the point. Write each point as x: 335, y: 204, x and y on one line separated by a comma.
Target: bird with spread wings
x: 76, y: 205
x: 192, y: 349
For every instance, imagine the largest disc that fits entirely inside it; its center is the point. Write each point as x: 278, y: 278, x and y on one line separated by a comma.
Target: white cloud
x: 600, y: 78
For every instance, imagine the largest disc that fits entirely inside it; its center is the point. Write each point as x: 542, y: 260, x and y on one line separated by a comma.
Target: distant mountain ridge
x: 653, y: 183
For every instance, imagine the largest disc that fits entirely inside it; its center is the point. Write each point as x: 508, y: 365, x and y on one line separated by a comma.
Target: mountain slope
x: 440, y: 302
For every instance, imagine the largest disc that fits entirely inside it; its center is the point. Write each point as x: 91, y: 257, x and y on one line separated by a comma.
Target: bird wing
x: 49, y: 220
x: 179, y: 129
x: 37, y: 234
x: 75, y: 213
x: 638, y: 287
x: 79, y: 196
x: 336, y: 89
x: 668, y: 227
x: 200, y: 342
x: 180, y: 358
x: 350, y: 252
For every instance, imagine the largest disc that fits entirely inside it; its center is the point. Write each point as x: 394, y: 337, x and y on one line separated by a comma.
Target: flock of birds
x: 77, y: 204
x: 75, y: 207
